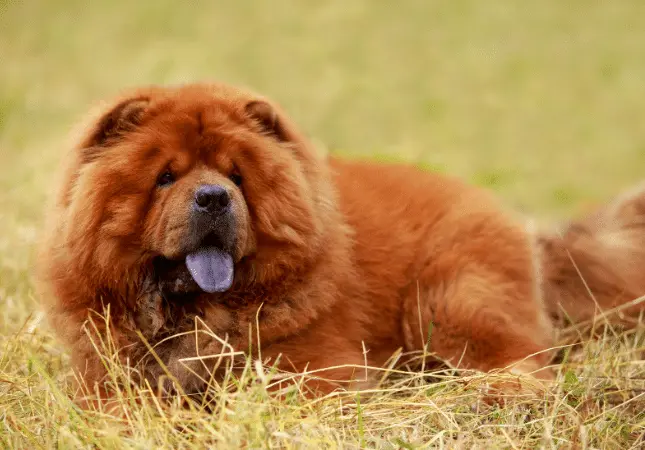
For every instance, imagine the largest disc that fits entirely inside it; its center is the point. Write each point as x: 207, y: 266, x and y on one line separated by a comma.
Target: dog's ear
x: 112, y: 125
x: 272, y: 121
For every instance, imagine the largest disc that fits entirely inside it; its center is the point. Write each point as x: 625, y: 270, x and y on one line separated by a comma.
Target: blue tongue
x: 211, y: 268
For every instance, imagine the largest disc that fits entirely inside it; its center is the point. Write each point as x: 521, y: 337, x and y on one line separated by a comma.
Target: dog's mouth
x: 209, y: 266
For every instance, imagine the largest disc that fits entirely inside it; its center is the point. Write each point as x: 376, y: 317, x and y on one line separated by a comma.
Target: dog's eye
x: 165, y: 179
x: 236, y: 177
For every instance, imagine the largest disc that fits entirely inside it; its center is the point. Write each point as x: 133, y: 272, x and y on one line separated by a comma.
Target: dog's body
x: 335, y: 264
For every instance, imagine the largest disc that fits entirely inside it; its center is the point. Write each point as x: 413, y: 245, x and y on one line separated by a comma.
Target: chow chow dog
x: 205, y: 222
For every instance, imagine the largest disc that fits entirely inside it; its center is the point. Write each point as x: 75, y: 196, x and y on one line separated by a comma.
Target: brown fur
x: 337, y: 263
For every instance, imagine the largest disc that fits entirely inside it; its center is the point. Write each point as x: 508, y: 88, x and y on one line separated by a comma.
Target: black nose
x: 211, y: 198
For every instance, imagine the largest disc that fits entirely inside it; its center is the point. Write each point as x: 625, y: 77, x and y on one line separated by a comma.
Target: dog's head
x: 204, y: 184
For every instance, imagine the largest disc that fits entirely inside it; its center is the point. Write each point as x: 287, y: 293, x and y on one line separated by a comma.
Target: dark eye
x: 236, y: 177
x: 165, y: 179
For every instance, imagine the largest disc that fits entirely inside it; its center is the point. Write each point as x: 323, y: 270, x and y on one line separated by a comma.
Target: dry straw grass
x: 597, y: 402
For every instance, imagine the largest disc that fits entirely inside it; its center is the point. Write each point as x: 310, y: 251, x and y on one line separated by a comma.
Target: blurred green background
x: 542, y: 101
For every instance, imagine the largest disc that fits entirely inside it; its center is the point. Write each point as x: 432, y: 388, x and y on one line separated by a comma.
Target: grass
x: 540, y: 101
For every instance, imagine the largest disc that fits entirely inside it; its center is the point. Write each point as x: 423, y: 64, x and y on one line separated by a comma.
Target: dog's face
x: 203, y: 180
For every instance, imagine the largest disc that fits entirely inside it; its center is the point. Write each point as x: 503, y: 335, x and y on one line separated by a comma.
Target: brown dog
x: 205, y: 201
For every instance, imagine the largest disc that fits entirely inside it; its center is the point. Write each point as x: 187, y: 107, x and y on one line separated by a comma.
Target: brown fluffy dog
x: 205, y: 201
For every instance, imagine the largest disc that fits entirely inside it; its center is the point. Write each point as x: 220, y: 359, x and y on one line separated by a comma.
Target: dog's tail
x: 595, y: 267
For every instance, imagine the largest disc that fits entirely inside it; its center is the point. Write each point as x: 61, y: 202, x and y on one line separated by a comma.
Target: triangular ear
x: 119, y: 120
x: 271, y: 120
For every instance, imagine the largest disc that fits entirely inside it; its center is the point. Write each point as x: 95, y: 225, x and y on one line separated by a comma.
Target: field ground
x: 540, y: 101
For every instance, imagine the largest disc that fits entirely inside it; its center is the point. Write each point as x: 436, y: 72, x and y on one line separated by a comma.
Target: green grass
x: 540, y: 101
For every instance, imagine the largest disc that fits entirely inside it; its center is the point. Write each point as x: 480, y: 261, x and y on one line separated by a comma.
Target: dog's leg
x: 477, y: 305
x: 477, y: 321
